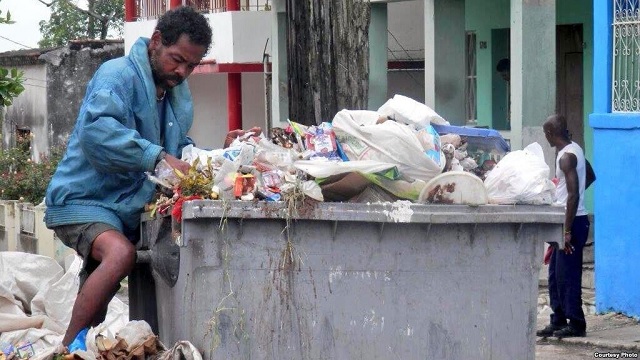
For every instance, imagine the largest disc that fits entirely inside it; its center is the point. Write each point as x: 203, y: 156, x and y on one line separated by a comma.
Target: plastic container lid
x: 485, y: 139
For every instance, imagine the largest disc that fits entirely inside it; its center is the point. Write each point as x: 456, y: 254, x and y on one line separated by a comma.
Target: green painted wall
x: 576, y: 12
x: 378, y: 56
x: 482, y: 16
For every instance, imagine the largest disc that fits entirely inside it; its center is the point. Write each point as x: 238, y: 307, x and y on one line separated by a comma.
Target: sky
x: 26, y: 31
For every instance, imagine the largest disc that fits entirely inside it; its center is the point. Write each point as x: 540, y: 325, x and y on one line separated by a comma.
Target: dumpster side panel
x: 348, y: 290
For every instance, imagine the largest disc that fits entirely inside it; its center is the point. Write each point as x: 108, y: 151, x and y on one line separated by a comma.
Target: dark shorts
x: 80, y: 237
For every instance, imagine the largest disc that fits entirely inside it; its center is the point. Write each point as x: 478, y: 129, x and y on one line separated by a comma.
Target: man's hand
x: 233, y: 134
x: 178, y: 164
x: 568, y: 248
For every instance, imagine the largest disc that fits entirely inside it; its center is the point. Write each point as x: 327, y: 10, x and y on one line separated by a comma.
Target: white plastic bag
x: 408, y: 111
x: 390, y: 142
x: 322, y: 168
x: 521, y: 177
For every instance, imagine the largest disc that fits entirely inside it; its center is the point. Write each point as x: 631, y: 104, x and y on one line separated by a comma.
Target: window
x: 471, y: 113
x: 626, y: 56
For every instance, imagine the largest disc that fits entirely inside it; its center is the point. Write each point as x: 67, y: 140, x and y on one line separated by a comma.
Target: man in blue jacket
x: 136, y: 112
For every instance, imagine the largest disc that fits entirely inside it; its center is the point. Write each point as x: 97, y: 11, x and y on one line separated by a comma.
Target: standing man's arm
x: 568, y: 164
x: 590, y: 174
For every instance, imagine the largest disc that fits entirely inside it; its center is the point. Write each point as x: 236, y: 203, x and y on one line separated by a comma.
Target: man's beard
x: 162, y: 80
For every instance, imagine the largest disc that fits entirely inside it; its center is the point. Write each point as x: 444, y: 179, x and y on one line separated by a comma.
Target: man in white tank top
x: 574, y: 175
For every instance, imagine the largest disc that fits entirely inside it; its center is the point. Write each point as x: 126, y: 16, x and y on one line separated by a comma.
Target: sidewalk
x: 610, y: 331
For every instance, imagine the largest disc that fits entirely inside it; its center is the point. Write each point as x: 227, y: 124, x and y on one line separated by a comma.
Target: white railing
x: 212, y: 6
x: 153, y: 9
x: 626, y: 56
x: 22, y: 229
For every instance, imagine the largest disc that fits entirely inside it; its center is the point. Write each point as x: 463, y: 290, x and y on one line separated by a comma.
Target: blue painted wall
x: 616, y: 161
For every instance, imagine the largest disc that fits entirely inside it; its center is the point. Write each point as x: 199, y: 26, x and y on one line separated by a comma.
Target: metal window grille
x: 471, y: 113
x: 626, y: 56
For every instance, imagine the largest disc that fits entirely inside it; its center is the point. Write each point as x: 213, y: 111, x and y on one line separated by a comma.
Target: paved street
x: 554, y: 351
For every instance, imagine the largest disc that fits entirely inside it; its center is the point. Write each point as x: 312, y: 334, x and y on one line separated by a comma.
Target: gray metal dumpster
x: 353, y: 281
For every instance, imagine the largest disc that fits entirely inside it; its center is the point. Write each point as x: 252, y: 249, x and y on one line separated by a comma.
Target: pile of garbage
x: 36, y: 300
x: 399, y: 152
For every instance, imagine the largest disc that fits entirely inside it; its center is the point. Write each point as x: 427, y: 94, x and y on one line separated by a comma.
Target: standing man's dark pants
x: 565, y: 279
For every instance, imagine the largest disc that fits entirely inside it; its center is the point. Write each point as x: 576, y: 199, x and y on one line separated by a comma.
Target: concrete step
x: 588, y: 253
x: 589, y: 276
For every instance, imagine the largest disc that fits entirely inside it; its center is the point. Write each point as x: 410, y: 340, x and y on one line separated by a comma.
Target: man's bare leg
x: 116, y: 256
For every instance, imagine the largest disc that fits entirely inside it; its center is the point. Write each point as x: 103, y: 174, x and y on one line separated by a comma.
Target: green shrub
x: 23, y: 179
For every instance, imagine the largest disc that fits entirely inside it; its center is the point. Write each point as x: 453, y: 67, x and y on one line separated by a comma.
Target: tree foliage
x: 70, y: 22
x: 10, y: 80
x: 23, y: 179
x: 5, y: 19
x: 10, y: 85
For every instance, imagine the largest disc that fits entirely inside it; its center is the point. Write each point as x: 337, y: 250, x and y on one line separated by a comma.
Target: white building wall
x: 253, y: 100
x: 238, y: 37
x: 29, y: 110
x: 408, y: 83
x: 209, y: 93
x: 406, y: 24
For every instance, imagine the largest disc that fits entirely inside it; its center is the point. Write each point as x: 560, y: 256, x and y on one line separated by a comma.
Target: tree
x: 69, y: 22
x: 328, y: 57
x: 10, y: 80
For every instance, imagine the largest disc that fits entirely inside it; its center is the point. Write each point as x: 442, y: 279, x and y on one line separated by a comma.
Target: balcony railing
x: 152, y: 9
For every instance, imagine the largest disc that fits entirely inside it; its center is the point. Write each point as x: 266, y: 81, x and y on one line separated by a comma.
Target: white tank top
x: 561, y: 189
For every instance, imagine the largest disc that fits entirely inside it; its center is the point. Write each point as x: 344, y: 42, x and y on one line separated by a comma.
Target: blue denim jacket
x: 115, y: 140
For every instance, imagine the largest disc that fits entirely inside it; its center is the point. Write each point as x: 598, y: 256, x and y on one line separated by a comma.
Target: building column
x: 602, y: 59
x: 279, y: 79
x: 234, y: 100
x: 378, y: 44
x: 130, y: 10
x: 444, y: 64
x: 533, y: 71
x: 233, y: 5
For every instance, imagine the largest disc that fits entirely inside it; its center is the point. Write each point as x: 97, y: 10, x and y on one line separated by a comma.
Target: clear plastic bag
x: 164, y: 175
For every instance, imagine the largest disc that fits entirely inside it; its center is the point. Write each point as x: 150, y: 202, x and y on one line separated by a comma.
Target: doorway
x: 500, y: 89
x: 569, y: 79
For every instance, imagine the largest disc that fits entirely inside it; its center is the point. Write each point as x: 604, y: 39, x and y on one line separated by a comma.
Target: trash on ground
x: 36, y: 299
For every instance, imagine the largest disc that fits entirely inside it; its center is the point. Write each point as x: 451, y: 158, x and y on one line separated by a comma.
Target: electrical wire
x: 17, y: 43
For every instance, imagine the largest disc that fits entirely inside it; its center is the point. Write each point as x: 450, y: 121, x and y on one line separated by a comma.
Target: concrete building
x: 616, y: 130
x: 55, y: 81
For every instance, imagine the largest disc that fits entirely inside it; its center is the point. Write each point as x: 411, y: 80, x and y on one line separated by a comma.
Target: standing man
x: 574, y: 175
x: 137, y: 111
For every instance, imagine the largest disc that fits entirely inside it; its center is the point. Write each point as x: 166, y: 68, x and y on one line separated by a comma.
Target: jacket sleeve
x: 108, y: 144
x: 187, y: 140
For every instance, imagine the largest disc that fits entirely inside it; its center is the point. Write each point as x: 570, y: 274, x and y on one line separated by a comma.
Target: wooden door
x: 570, y: 90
